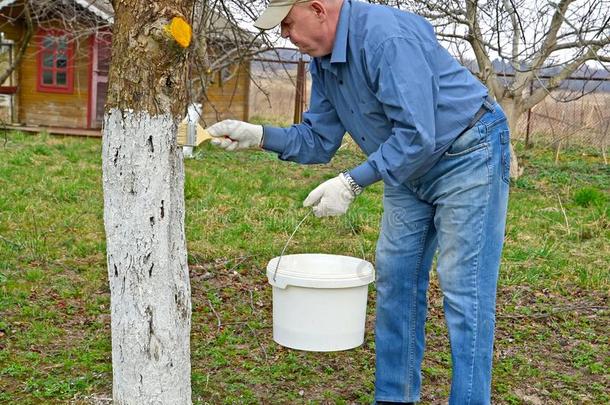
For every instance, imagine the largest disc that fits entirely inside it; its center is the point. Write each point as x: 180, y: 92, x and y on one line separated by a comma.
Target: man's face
x: 306, y: 27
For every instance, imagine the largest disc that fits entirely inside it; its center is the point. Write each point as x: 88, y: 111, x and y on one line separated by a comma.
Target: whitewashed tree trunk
x: 143, y: 178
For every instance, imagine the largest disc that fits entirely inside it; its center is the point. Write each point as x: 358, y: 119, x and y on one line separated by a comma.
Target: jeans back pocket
x: 468, y: 142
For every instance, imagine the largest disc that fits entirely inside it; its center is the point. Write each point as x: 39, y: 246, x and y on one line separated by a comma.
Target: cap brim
x: 272, y: 17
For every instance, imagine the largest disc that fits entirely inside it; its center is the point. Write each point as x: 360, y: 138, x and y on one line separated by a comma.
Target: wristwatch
x: 356, y: 188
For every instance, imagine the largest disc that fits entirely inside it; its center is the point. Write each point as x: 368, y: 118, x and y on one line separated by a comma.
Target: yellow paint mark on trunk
x: 180, y: 30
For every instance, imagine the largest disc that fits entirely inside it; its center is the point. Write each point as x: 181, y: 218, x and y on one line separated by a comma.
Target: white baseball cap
x: 275, y: 12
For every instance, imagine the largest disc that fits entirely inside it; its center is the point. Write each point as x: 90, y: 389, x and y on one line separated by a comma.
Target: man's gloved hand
x: 331, y: 198
x: 232, y: 134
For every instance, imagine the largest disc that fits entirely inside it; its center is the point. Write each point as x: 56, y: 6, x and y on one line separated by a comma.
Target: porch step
x: 96, y: 133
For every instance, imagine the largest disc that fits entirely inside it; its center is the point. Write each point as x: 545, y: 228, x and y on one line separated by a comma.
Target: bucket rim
x: 365, y: 274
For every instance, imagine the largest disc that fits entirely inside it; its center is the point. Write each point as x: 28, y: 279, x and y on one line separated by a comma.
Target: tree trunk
x: 513, y: 113
x: 143, y: 179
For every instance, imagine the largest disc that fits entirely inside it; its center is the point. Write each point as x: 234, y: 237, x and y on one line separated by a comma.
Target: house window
x: 55, y: 62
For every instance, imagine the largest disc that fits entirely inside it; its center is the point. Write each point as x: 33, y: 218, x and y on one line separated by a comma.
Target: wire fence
x: 581, y: 122
x: 576, y: 114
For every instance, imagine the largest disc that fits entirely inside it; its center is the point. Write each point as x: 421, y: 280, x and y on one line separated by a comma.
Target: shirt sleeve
x: 404, y: 82
x: 316, y: 139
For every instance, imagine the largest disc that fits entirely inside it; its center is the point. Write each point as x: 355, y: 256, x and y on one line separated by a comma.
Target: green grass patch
x: 552, y: 339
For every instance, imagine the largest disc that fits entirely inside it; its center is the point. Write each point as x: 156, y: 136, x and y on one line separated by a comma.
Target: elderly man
x: 441, y: 147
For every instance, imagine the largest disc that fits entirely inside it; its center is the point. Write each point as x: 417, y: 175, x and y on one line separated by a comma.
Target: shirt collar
x: 339, y: 53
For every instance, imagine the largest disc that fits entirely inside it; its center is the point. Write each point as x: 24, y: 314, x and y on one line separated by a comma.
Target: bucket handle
x: 279, y: 259
x: 277, y: 266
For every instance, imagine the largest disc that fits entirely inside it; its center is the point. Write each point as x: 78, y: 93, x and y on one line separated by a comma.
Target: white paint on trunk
x: 143, y: 176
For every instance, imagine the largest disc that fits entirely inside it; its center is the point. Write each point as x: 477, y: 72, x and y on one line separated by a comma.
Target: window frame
x: 69, y: 70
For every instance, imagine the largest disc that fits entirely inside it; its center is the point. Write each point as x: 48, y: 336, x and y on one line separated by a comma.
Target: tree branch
x: 555, y: 81
x: 25, y: 40
x: 550, y: 40
x: 475, y: 38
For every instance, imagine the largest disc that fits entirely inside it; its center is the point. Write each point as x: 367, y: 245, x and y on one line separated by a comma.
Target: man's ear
x: 319, y: 9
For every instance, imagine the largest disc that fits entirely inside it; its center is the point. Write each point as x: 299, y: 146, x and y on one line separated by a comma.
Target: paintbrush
x: 181, y: 135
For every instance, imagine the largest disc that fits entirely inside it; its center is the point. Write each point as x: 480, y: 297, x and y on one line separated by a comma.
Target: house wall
x: 14, y: 33
x: 54, y: 109
x: 229, y: 98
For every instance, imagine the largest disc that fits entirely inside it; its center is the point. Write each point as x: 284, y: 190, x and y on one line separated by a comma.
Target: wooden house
x: 60, y: 83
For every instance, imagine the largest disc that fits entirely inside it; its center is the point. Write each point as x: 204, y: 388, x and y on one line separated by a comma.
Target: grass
x: 552, y: 338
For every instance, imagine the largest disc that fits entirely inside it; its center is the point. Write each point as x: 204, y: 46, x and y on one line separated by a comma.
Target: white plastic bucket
x: 319, y: 301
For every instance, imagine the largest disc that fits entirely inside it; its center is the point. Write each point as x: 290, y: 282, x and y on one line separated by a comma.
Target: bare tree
x: 230, y: 42
x: 143, y: 179
x: 532, y: 38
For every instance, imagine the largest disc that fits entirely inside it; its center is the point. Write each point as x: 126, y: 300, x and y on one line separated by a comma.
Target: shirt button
x: 362, y: 138
x: 340, y: 81
x: 352, y: 111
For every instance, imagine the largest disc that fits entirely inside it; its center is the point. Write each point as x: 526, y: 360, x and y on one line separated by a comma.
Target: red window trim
x: 54, y: 88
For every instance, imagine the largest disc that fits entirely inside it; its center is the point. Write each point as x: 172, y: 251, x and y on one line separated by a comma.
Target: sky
x: 524, y: 5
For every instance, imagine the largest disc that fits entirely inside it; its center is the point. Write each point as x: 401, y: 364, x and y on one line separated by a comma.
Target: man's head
x: 309, y: 24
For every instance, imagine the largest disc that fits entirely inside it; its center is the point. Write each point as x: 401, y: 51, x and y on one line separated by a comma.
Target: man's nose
x: 285, y: 33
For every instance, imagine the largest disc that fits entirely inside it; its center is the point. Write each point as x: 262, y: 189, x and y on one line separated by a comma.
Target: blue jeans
x: 459, y: 207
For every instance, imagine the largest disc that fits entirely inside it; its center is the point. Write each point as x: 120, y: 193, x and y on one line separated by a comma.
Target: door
x: 100, y: 64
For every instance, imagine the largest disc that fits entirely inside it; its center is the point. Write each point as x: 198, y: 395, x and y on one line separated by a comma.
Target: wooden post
x: 299, y: 95
x: 529, y: 115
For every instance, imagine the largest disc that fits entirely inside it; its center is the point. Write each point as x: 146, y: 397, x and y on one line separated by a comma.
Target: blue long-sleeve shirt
x: 389, y: 83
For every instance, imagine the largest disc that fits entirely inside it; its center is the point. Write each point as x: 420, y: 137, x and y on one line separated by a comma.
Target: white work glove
x: 232, y: 135
x: 331, y: 198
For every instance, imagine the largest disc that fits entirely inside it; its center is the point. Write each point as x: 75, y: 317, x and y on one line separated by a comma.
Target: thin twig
x: 555, y: 311
x: 564, y: 214
x: 259, y: 343
x: 235, y: 323
x: 215, y: 313
x: 251, y: 301
x: 243, y: 259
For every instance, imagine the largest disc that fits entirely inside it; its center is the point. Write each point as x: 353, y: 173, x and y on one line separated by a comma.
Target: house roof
x: 101, y: 8
x: 5, y: 3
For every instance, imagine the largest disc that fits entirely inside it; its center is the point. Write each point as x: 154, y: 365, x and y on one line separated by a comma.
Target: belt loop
x: 488, y: 103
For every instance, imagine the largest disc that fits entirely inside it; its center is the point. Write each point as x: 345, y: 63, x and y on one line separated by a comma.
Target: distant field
x: 272, y: 99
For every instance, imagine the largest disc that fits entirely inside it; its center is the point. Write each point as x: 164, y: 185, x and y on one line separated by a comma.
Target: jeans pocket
x: 466, y: 143
x: 505, y: 150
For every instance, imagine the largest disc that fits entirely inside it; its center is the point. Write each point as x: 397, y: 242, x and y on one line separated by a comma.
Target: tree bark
x: 143, y: 180
x: 513, y: 111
